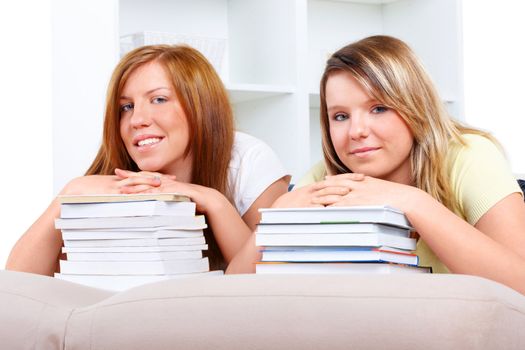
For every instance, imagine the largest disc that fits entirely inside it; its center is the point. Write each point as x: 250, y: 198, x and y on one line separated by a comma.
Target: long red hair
x: 205, y: 103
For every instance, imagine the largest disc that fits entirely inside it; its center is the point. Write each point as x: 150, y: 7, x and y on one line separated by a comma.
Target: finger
x: 152, y: 174
x: 152, y: 190
x: 140, y: 180
x: 135, y: 189
x: 123, y: 174
x: 341, y: 182
x: 348, y: 176
x: 326, y: 200
x: 332, y: 190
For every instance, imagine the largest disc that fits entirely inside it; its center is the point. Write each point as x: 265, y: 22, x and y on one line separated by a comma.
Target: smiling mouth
x: 364, y: 150
x: 148, y: 142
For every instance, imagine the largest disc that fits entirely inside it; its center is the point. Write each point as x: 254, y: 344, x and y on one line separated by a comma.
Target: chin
x: 149, y: 167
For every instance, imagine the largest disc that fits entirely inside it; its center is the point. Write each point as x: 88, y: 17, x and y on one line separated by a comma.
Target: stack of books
x: 360, y: 239
x: 117, y: 242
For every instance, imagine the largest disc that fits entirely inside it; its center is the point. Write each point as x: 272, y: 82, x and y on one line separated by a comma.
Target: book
x: 123, y: 282
x: 134, y: 256
x: 333, y: 228
x: 136, y: 249
x: 127, y: 208
x: 128, y: 234
x: 177, y: 222
x: 104, y: 198
x: 134, y: 242
x: 335, y: 239
x: 165, y: 267
x: 339, y: 254
x: 337, y: 268
x: 357, y: 214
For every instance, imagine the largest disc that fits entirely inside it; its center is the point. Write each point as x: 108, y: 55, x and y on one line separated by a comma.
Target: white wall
x: 494, y: 72
x: 26, y: 175
x: 85, y: 35
x: 57, y: 47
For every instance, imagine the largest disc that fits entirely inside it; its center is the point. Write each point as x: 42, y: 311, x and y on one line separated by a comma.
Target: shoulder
x: 472, y: 149
x: 245, y: 145
x: 254, y: 166
x: 315, y: 174
x: 480, y: 175
x: 476, y: 143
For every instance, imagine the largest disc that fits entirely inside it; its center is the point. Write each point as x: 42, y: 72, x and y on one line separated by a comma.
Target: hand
x: 136, y: 182
x: 207, y: 199
x: 329, y: 190
x: 92, y: 184
x: 369, y: 191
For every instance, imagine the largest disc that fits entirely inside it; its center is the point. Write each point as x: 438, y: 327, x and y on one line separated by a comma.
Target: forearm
x: 244, y: 261
x: 229, y: 229
x: 462, y: 247
x: 38, y: 250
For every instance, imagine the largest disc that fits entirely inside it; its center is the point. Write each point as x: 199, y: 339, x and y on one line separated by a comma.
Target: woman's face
x: 153, y: 125
x: 368, y: 137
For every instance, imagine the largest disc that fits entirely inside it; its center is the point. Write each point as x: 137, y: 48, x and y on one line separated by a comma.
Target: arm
x: 38, y: 250
x: 248, y: 254
x: 229, y: 228
x: 493, y: 248
x: 299, y: 197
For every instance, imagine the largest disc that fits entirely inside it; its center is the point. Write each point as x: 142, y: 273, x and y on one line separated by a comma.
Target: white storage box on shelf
x: 211, y: 48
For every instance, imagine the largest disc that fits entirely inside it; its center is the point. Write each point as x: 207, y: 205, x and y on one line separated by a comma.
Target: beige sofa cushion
x: 34, y: 309
x: 306, y: 312
x: 290, y: 312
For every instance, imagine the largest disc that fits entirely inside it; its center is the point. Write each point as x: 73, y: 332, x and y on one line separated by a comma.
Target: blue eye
x: 379, y: 109
x: 126, y: 107
x: 158, y: 100
x: 340, y: 117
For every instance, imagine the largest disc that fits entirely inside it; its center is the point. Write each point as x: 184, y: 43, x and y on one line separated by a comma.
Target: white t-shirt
x: 254, y: 166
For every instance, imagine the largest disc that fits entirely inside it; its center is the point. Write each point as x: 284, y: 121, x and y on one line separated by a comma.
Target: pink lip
x: 139, y: 138
x: 363, y: 150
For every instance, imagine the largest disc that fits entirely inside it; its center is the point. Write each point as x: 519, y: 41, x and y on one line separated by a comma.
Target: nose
x: 359, y: 127
x: 140, y: 117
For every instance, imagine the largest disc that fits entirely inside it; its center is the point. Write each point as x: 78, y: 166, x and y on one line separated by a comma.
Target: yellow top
x: 480, y: 177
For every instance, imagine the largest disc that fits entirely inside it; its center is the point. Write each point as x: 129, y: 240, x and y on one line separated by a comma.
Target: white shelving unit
x: 276, y: 50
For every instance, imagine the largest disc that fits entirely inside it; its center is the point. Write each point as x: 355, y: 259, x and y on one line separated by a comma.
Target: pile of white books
x: 360, y: 239
x: 117, y: 242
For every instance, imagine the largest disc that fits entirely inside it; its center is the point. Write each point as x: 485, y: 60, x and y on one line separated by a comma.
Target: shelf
x: 248, y: 92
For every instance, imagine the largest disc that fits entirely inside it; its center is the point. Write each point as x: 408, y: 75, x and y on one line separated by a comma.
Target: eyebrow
x: 339, y: 107
x: 336, y: 107
x: 146, y: 93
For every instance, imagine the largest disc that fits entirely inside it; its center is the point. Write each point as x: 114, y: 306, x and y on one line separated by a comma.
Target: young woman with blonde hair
x: 169, y: 128
x: 387, y: 139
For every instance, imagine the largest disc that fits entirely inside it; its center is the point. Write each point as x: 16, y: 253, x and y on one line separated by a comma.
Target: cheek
x: 339, y: 137
x: 124, y: 133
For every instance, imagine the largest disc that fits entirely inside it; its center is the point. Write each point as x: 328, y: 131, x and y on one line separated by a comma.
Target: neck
x: 182, y: 170
x: 402, y: 175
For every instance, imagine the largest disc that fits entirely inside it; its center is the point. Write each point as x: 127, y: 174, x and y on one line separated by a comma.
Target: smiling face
x: 153, y: 125
x: 368, y: 137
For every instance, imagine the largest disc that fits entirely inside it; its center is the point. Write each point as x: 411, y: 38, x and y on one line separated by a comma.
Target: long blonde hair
x: 391, y: 73
x: 205, y: 102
